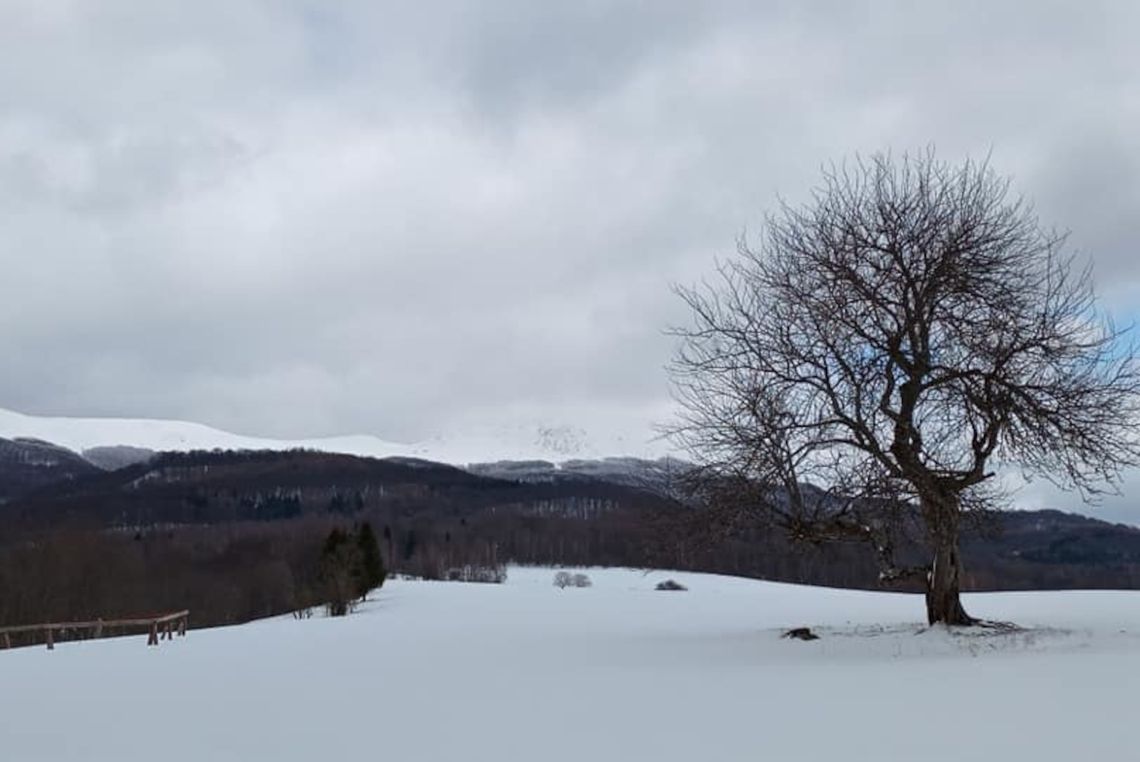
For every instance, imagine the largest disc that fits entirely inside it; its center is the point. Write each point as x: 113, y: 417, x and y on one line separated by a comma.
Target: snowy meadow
x: 617, y: 671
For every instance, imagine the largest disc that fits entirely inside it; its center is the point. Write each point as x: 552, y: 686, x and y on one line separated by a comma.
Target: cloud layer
x: 305, y: 218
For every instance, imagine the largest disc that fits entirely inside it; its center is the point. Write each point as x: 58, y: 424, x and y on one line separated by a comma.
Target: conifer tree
x: 370, y: 572
x: 339, y: 566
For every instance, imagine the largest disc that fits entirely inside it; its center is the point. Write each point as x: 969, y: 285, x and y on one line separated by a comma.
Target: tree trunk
x: 943, y: 604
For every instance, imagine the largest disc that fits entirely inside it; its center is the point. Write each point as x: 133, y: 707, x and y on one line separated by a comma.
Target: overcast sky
x: 309, y: 218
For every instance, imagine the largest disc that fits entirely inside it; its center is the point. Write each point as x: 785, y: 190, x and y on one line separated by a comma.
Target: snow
x: 474, y: 442
x: 525, y: 671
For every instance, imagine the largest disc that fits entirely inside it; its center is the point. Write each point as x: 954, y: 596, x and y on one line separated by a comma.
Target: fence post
x: 50, y: 639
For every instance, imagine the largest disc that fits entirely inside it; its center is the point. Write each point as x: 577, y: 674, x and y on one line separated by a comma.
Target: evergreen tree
x: 339, y: 571
x: 370, y: 572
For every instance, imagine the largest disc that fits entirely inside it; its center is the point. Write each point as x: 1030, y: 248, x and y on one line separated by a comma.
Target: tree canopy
x: 888, y: 347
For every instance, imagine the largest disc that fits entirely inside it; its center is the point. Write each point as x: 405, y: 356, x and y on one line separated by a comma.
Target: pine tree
x: 371, y: 572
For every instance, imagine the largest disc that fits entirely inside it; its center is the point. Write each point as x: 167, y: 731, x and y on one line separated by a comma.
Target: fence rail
x: 159, y: 627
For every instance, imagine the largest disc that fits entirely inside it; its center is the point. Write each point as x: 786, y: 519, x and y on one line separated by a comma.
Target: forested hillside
x: 236, y: 535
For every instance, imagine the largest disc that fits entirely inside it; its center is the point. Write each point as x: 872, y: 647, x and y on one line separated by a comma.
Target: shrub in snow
x: 493, y: 573
x: 800, y: 633
x: 670, y: 584
x: 565, y: 579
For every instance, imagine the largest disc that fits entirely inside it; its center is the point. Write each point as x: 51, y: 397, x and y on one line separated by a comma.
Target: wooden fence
x: 159, y: 627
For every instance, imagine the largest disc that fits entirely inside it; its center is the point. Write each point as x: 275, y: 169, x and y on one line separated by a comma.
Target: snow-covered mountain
x: 476, y: 444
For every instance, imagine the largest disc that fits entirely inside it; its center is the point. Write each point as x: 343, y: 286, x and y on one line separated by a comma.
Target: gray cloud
x: 309, y: 218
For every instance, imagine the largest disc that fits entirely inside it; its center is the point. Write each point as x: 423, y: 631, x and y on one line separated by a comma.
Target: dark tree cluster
x: 223, y: 575
x: 350, y: 567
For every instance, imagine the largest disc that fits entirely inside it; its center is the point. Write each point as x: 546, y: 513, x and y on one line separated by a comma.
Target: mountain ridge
x: 538, y: 441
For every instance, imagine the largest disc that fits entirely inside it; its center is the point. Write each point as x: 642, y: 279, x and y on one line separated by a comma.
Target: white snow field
x: 525, y: 671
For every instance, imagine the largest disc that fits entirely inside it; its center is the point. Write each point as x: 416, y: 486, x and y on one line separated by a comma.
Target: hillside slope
x: 436, y: 515
x: 30, y: 464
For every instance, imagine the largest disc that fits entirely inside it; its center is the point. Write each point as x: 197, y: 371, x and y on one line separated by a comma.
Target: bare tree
x: 888, y: 348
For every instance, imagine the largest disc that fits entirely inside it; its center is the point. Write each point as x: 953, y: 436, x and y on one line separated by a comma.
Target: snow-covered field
x: 525, y: 671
